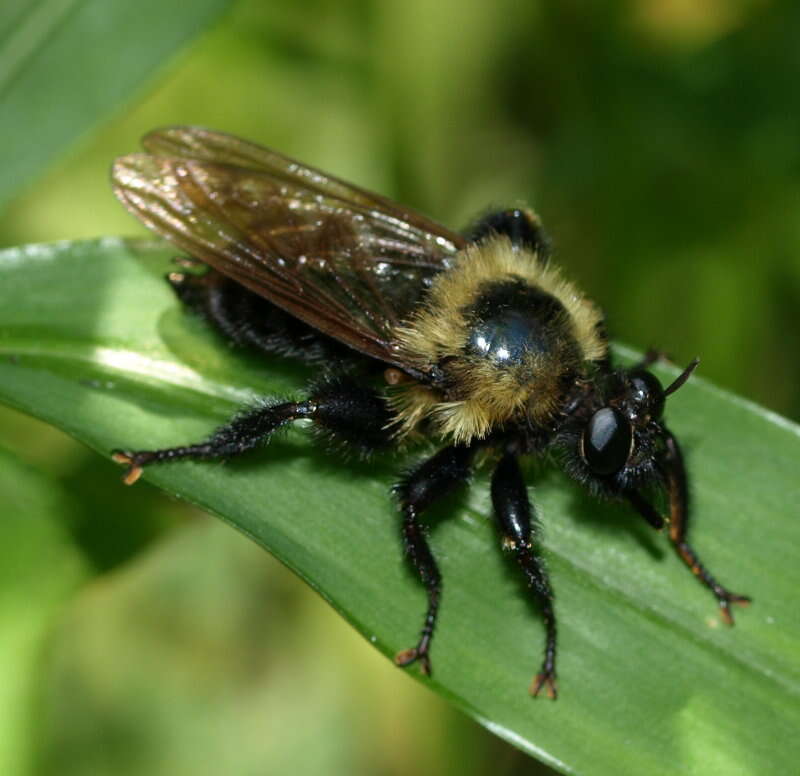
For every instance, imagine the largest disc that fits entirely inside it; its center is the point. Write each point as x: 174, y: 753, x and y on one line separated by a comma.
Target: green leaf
x: 40, y: 569
x: 65, y: 65
x: 92, y: 340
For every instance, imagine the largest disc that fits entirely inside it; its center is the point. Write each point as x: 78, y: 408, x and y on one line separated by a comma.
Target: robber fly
x: 477, y: 342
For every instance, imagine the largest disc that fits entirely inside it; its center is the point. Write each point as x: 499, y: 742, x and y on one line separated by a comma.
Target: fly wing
x: 349, y: 263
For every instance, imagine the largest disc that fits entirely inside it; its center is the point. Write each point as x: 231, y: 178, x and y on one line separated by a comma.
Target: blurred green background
x: 658, y: 139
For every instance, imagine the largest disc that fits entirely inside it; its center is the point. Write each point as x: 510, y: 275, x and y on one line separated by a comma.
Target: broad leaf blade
x: 92, y: 340
x: 66, y: 64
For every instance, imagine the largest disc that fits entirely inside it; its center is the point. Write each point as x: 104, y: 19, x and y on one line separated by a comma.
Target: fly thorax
x: 500, y: 338
x: 511, y: 322
x: 518, y: 352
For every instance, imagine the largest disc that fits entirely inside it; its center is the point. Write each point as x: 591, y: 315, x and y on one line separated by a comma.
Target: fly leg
x: 518, y: 525
x: 677, y: 492
x: 652, y: 356
x: 338, y: 406
x: 246, y: 318
x: 678, y: 507
x: 417, y: 491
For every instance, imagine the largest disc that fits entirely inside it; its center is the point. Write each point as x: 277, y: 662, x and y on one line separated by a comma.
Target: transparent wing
x: 349, y: 263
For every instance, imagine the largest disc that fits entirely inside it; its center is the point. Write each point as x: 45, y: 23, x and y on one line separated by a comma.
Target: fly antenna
x: 682, y: 377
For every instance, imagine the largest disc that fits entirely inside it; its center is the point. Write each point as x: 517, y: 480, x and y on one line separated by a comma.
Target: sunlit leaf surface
x: 92, y: 340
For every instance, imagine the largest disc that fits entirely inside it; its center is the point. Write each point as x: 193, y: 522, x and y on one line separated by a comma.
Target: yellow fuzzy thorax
x: 480, y: 395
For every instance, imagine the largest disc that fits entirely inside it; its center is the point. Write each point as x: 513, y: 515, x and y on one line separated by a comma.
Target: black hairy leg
x: 422, y: 486
x: 520, y: 225
x: 248, y: 319
x: 652, y: 356
x: 339, y: 407
x: 677, y: 491
x: 517, y: 525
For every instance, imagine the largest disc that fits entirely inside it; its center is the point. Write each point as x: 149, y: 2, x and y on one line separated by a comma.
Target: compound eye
x: 607, y: 440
